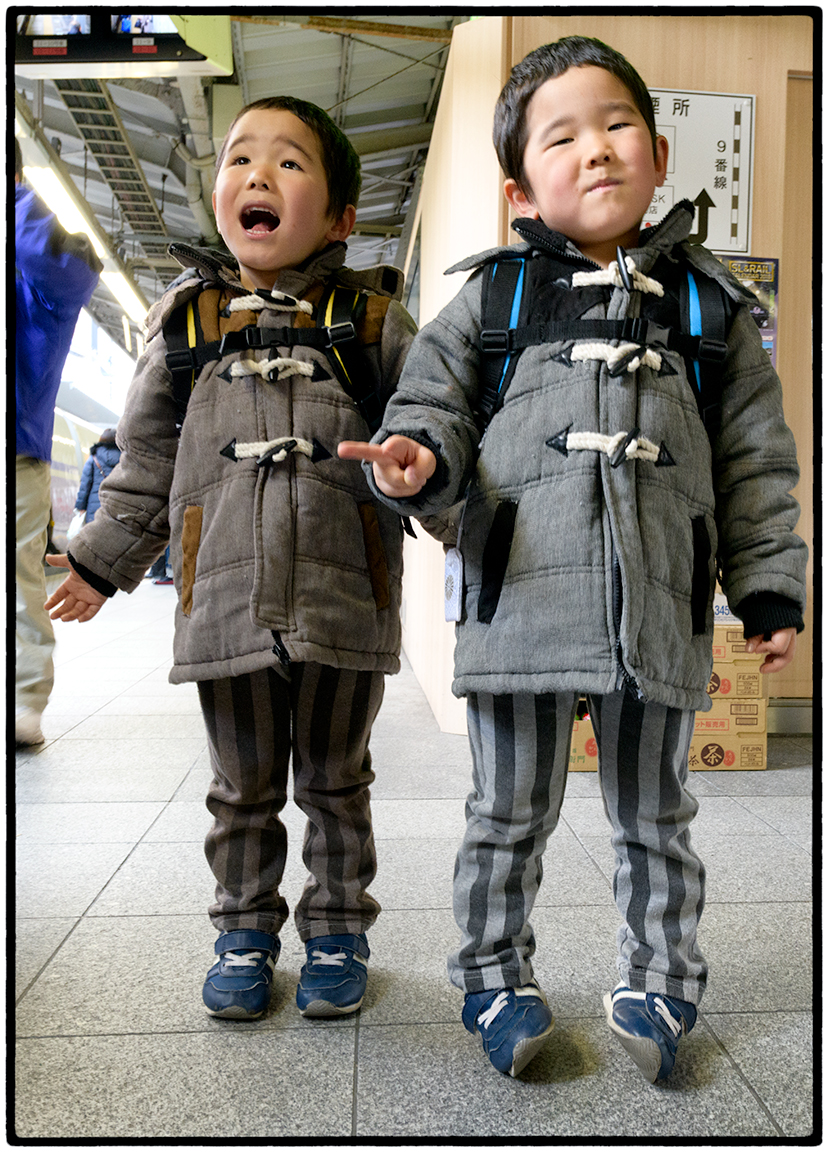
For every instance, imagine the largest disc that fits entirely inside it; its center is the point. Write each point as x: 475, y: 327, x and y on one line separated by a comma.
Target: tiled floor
x: 113, y: 943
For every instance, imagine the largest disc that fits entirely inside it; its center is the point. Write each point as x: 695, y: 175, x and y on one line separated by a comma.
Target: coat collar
x: 673, y: 229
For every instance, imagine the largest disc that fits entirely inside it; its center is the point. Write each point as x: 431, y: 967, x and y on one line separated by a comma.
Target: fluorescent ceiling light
x: 123, y: 292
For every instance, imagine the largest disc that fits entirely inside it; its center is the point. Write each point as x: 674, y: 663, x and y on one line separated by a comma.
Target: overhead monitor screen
x: 152, y: 25
x: 54, y: 24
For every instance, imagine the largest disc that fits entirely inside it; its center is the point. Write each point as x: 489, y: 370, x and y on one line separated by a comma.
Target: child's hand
x: 401, y: 466
x: 780, y: 649
x: 74, y: 599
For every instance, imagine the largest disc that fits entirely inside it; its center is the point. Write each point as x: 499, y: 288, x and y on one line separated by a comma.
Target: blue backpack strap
x: 501, y: 300
x: 704, y: 311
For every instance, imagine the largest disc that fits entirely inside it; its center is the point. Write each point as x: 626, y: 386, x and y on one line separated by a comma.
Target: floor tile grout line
x: 743, y: 1077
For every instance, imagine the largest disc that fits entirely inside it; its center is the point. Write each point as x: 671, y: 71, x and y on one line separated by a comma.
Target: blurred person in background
x: 55, y: 275
x: 103, y: 457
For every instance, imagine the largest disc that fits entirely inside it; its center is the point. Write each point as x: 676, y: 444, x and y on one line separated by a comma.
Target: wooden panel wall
x: 463, y: 211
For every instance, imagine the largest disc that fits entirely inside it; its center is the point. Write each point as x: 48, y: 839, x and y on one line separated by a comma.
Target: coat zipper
x: 624, y: 679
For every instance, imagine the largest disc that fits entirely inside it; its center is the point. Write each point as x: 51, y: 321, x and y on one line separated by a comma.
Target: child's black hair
x: 342, y: 166
x: 546, y: 63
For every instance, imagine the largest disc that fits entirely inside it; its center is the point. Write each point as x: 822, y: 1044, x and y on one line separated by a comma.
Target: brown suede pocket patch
x: 190, y: 540
x: 375, y: 555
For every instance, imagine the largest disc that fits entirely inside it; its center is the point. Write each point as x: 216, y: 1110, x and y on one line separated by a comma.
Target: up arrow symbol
x: 704, y: 204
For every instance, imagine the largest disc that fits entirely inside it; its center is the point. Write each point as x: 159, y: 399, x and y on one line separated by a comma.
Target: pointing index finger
x: 359, y: 450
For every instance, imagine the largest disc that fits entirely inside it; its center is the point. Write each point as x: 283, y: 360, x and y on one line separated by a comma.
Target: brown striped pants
x: 323, y: 715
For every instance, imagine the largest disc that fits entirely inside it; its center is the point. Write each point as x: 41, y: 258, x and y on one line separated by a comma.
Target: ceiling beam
x: 344, y: 25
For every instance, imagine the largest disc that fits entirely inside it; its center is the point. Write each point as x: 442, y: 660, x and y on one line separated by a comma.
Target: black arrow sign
x: 704, y: 204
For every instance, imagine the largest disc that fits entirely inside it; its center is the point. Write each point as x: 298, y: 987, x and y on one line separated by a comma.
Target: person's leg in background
x: 34, y: 635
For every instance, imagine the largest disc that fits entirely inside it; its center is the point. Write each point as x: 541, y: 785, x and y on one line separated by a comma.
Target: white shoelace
x: 661, y: 1008
x: 667, y: 1016
x: 242, y: 959
x: 335, y: 958
x: 494, y: 1009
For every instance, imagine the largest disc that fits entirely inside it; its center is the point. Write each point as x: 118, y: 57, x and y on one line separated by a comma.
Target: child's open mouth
x: 259, y: 221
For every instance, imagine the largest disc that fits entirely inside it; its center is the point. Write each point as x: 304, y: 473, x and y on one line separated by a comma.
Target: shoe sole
x: 318, y: 1008
x: 645, y: 1053
x: 526, y: 1050
x: 233, y: 1012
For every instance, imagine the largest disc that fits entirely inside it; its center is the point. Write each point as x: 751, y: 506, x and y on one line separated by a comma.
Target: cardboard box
x: 732, y: 715
x: 732, y: 735
x: 583, y: 750
x: 729, y: 645
x: 721, y: 610
x: 731, y: 751
x: 738, y: 680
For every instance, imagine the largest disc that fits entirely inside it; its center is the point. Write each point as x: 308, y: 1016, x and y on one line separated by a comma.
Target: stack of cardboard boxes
x: 734, y: 733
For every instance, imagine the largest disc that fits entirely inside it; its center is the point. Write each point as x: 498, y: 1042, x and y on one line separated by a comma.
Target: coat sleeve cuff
x: 767, y: 612
x: 96, y: 582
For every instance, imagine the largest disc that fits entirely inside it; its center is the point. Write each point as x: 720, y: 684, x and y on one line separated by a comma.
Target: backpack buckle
x: 493, y: 340
x: 713, y: 350
x: 340, y: 333
x: 645, y: 332
x: 182, y: 358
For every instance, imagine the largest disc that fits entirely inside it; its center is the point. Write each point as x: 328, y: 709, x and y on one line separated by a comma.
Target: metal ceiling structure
x: 141, y: 151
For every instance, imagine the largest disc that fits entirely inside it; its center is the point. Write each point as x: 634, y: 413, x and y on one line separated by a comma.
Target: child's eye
x: 615, y: 127
x: 240, y: 160
x: 563, y: 140
x: 293, y: 164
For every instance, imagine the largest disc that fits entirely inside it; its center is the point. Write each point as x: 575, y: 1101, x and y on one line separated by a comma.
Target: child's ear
x: 520, y: 201
x: 344, y: 226
x: 661, y: 155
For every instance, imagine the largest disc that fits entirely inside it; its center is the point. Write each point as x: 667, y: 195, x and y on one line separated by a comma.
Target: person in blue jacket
x: 55, y: 275
x: 103, y: 457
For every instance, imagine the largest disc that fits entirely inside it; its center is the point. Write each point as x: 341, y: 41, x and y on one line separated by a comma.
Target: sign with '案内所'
x: 710, y: 163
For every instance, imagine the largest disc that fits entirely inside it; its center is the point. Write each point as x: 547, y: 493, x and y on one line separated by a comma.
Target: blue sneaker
x: 649, y: 1027
x: 238, y: 985
x: 333, y: 978
x: 513, y: 1024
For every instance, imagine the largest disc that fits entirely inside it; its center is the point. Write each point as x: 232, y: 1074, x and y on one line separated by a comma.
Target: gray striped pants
x: 520, y: 753
x: 323, y: 716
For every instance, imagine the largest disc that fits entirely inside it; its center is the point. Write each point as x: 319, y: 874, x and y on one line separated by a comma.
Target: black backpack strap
x: 181, y: 334
x: 339, y: 313
x: 500, y: 308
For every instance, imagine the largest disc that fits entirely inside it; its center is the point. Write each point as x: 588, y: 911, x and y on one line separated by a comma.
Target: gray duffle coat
x: 294, y: 559
x: 581, y: 575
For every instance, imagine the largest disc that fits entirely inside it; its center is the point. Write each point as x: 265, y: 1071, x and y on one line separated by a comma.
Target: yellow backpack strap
x: 342, y: 312
x: 188, y: 348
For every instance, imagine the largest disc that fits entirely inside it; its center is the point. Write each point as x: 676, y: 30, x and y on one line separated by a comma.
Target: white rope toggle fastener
x: 273, y: 450
x: 635, y: 447
x: 278, y: 301
x: 602, y: 351
x: 282, y: 366
x: 612, y: 275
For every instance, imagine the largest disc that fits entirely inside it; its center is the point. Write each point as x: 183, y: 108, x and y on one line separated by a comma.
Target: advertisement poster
x: 761, y: 276
x: 710, y: 163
